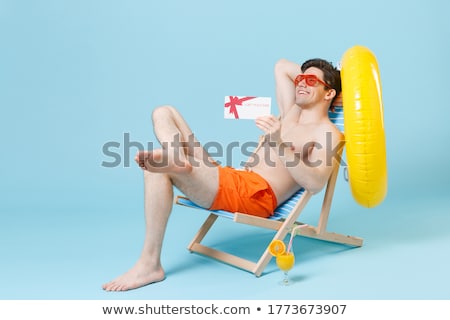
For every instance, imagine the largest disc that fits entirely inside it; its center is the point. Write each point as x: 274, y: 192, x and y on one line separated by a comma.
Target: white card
x: 246, y: 107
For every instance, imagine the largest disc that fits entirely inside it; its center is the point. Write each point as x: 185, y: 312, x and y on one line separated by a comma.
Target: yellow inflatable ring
x: 363, y: 126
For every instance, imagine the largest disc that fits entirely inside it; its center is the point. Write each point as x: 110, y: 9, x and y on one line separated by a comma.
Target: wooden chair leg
x: 203, y: 230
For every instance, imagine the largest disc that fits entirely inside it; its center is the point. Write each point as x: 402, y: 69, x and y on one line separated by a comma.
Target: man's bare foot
x: 158, y: 161
x: 138, y: 276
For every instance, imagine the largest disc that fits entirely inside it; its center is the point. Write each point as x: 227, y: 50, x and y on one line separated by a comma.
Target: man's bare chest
x: 300, y: 139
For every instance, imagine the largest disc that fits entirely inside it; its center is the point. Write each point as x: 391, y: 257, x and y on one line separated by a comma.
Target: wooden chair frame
x: 282, y: 228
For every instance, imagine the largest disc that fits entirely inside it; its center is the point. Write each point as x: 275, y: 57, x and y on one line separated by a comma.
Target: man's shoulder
x: 331, y: 126
x: 327, y: 128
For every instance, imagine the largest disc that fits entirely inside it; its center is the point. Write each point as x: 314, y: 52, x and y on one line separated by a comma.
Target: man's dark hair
x: 331, y: 75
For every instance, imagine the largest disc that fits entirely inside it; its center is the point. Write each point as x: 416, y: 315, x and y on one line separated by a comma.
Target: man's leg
x: 158, y: 198
x: 180, y: 150
x: 200, y: 183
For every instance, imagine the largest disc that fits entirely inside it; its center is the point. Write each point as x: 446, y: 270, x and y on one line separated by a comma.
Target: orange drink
x: 285, y: 261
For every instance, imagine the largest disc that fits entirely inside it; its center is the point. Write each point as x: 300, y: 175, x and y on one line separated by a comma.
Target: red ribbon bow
x: 235, y: 101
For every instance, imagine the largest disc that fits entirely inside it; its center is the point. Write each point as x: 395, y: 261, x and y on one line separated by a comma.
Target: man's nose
x: 302, y: 83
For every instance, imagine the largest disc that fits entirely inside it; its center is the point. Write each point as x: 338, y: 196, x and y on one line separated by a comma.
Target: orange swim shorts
x: 245, y: 192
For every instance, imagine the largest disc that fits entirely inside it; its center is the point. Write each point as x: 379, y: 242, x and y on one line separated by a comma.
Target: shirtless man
x: 294, y: 152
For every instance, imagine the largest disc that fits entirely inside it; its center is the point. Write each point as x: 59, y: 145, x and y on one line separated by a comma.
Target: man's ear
x: 330, y: 94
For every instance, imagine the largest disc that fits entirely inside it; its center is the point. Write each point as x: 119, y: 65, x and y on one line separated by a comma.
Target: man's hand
x: 271, y: 126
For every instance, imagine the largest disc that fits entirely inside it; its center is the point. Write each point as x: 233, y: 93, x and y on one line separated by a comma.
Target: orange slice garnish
x: 277, y: 247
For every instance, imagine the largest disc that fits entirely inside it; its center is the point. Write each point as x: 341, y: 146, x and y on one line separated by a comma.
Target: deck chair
x: 284, y: 219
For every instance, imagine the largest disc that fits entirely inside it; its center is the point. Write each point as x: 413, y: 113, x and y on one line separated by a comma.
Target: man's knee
x: 163, y: 112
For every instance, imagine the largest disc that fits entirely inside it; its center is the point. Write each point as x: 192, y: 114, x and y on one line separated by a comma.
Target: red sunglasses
x: 310, y: 80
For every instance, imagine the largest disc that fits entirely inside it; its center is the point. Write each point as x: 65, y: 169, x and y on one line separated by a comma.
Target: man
x: 294, y: 153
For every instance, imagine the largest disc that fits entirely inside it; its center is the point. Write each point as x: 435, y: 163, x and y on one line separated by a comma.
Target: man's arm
x: 313, y: 169
x: 285, y: 73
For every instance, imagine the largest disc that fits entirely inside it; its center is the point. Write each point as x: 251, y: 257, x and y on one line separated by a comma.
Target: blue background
x: 75, y: 75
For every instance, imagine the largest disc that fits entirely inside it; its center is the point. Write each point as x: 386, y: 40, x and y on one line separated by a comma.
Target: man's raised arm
x: 285, y: 73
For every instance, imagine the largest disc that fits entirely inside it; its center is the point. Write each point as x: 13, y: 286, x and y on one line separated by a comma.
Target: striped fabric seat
x: 282, y: 211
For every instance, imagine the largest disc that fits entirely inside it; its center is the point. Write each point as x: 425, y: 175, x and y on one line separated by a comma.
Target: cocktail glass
x: 285, y: 262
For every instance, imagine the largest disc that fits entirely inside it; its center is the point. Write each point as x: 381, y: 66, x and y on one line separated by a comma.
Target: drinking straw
x: 293, y: 235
